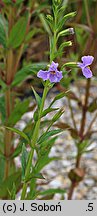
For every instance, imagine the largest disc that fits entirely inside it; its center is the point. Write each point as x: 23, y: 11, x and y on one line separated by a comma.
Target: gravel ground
x: 56, y: 173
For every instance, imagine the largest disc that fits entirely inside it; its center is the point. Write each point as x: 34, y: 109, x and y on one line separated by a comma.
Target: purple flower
x: 53, y: 74
x: 86, y: 62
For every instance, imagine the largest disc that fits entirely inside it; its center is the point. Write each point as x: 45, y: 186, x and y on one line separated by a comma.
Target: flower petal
x: 53, y: 66
x: 59, y: 75
x: 53, y: 78
x: 81, y: 65
x: 43, y: 74
x: 87, y: 72
x: 87, y: 60
x: 56, y: 77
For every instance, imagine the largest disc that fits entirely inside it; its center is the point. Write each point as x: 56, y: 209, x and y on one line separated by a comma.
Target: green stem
x: 34, y: 140
x: 54, y: 43
x: 27, y: 173
x: 87, y: 13
x: 37, y: 127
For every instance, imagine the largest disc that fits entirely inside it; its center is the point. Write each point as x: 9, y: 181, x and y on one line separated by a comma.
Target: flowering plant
x: 32, y: 144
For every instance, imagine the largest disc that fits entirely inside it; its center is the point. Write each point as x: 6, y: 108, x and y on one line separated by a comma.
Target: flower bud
x: 58, y: 1
x: 70, y: 64
x: 66, y: 32
x: 58, y: 115
x: 49, y: 17
x: 71, y: 30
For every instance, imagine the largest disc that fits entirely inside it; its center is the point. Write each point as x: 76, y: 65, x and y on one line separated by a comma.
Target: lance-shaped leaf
x: 48, y: 110
x: 45, y: 147
x: 27, y: 70
x: 62, y: 125
x: 2, y: 109
x: 58, y: 115
x: 7, y: 184
x: 21, y: 133
x: 59, y: 96
x: 12, y: 193
x: 48, y: 134
x: 52, y: 191
x: 19, y: 2
x: 34, y: 176
x: 24, y: 158
x: 17, y: 33
x: 43, y: 161
x: 18, y: 112
x: 83, y: 146
x: 2, y: 32
x: 38, y: 98
x: 93, y: 106
x: 64, y: 19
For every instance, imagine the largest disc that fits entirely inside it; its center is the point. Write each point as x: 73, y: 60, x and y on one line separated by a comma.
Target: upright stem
x: 8, y: 79
x: 84, y: 111
x: 34, y: 140
x: 8, y: 133
x: 87, y: 13
x: 72, y: 115
x: 10, y: 72
x: 83, y: 121
x: 71, y: 190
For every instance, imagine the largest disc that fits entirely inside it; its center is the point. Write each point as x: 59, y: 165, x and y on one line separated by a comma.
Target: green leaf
x: 93, y: 106
x: 50, y: 21
x: 19, y: 2
x: 73, y: 132
x: 43, y: 161
x: 59, y: 96
x: 7, y: 1
x: 27, y: 70
x: 48, y: 134
x: 17, y: 151
x: 42, y: 6
x: 2, y: 168
x: 44, y: 148
x: 17, y: 33
x: 2, y: 83
x: 58, y: 115
x: 21, y: 133
x: 64, y: 19
x: 45, y: 24
x: 20, y: 109
x: 52, y: 191
x: 48, y: 110
x: 2, y: 109
x: 2, y: 32
x: 8, y: 184
x: 13, y: 192
x: 24, y: 158
x: 38, y: 98
x: 32, y: 176
x: 43, y: 151
x: 32, y: 33
x: 83, y: 146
